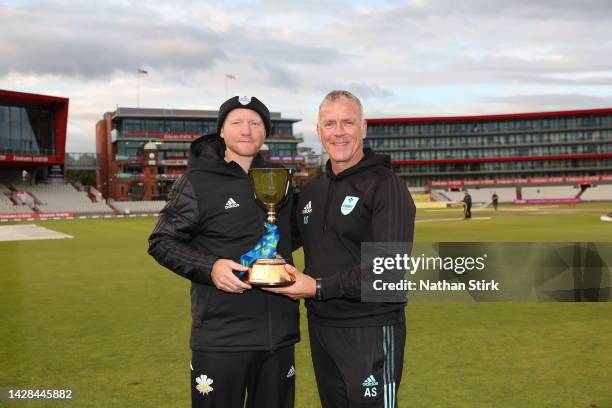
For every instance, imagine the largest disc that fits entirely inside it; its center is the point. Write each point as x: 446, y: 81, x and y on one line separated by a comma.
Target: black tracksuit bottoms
x: 221, y: 379
x: 357, y: 366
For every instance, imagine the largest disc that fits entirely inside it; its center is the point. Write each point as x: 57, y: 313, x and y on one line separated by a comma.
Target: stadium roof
x: 23, y: 98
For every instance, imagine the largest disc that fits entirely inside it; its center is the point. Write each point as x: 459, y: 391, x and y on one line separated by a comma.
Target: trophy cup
x: 266, y: 268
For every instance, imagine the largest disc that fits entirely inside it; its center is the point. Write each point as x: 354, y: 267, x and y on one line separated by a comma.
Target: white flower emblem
x: 204, y: 384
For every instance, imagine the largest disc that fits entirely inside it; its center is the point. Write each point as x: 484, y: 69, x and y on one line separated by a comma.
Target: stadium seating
x: 6, y: 204
x: 448, y: 196
x: 137, y: 207
x: 97, y: 195
x: 479, y: 195
x: 549, y: 192
x: 8, y: 207
x: 63, y: 197
x: 417, y: 190
x: 602, y: 192
x: 483, y: 195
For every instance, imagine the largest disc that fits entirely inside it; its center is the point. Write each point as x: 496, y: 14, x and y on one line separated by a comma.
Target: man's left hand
x: 303, y: 287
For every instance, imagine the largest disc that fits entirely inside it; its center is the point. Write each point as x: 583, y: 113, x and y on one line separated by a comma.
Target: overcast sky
x: 411, y: 58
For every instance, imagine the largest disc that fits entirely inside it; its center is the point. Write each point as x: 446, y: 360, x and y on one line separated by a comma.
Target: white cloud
x: 417, y: 58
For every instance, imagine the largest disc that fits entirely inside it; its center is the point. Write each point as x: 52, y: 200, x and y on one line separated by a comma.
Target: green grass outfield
x: 97, y: 315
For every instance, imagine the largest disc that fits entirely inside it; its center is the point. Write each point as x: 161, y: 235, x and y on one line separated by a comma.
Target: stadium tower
x: 143, y: 151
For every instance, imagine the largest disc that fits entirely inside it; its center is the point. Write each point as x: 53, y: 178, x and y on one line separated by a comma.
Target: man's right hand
x: 224, y: 279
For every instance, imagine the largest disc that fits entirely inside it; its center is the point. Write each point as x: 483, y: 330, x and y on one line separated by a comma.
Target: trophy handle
x: 286, y: 197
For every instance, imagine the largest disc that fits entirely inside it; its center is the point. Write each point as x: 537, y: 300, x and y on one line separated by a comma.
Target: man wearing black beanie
x: 242, y: 338
x: 245, y: 102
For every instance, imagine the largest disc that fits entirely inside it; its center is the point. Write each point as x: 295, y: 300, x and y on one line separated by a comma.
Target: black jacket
x: 199, y: 225
x: 332, y: 237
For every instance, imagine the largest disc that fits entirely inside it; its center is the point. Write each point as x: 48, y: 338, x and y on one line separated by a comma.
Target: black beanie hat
x: 244, y: 102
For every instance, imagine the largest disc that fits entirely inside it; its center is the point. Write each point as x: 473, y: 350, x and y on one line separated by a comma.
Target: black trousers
x: 221, y: 379
x: 357, y: 366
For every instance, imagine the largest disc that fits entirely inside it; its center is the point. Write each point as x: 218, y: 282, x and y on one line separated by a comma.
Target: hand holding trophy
x: 271, y: 186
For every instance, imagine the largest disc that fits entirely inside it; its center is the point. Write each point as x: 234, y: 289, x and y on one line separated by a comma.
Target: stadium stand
x: 417, y: 190
x: 483, y: 195
x: 95, y: 194
x: 137, y: 207
x: 602, y: 192
x: 23, y: 198
x: 62, y: 197
x: 7, y: 206
x: 450, y: 196
x: 549, y: 192
x: 438, y: 195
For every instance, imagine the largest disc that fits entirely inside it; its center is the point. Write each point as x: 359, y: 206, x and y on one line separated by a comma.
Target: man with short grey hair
x: 357, y: 347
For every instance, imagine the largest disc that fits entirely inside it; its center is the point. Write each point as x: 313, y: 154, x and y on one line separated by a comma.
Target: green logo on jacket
x: 348, y: 204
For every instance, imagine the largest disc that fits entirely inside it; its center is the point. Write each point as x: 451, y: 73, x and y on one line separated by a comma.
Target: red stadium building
x: 570, y: 147
x: 32, y: 133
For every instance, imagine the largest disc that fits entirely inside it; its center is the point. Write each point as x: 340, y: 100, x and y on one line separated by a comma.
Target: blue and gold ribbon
x: 265, y: 247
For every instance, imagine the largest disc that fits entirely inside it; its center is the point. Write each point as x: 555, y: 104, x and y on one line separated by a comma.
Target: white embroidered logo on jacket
x: 231, y: 204
x: 291, y: 372
x: 307, y: 208
x: 370, y: 384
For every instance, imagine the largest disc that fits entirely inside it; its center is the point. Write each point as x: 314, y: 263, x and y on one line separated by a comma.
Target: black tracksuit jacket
x: 332, y: 237
x: 195, y: 229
